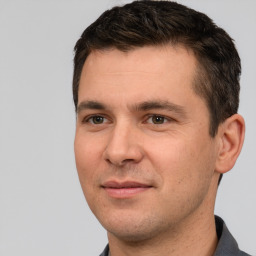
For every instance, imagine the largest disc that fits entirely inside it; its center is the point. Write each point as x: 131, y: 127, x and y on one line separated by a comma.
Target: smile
x: 124, y: 189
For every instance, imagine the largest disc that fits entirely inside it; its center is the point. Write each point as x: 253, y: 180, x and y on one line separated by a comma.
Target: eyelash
x: 90, y: 118
x: 164, y: 119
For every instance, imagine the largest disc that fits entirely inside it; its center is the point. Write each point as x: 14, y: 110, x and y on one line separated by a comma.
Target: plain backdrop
x: 42, y: 208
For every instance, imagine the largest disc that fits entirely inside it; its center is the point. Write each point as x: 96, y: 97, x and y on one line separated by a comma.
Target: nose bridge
x: 123, y: 144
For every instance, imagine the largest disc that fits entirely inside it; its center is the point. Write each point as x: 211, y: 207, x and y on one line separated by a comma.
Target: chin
x: 136, y: 229
x: 132, y: 236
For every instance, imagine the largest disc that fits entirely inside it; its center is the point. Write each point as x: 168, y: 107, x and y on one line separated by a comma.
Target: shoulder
x: 227, y: 245
x: 105, y: 252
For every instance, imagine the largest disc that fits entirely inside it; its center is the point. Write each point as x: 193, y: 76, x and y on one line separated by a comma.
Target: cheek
x: 88, y: 149
x: 87, y: 165
x: 181, y: 160
x: 169, y: 153
x: 87, y: 153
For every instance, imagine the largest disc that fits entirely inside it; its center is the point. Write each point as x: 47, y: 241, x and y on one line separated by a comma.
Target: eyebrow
x: 90, y: 104
x: 143, y: 106
x: 162, y: 105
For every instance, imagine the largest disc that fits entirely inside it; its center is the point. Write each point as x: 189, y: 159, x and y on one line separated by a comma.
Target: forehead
x: 165, y: 72
x: 151, y: 59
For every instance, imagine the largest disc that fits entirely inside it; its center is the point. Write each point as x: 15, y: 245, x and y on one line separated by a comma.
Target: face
x: 144, y: 155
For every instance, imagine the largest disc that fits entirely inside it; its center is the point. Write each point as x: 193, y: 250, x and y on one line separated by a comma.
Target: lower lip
x: 125, y: 192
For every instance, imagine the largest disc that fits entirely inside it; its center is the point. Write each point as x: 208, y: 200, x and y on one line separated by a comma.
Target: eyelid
x: 87, y: 118
x: 167, y: 119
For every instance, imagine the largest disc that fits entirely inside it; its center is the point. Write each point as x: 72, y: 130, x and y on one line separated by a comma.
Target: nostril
x: 120, y: 163
x: 127, y: 161
x: 107, y: 160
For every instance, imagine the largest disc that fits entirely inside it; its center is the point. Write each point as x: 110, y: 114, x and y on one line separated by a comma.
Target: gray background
x: 42, y: 208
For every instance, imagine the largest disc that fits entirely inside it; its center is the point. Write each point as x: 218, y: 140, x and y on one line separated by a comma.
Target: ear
x: 231, y: 135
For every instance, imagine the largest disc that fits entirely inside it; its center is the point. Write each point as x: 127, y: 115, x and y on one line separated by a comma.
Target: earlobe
x: 231, y: 134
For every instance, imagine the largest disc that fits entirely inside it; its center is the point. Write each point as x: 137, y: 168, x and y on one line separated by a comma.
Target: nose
x: 123, y: 146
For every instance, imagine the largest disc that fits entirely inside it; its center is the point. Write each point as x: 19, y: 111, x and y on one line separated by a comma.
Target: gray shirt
x: 227, y: 245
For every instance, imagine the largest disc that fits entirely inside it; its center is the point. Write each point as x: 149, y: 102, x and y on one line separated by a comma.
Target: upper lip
x: 124, y: 184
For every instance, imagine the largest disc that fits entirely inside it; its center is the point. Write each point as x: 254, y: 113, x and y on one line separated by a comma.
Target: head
x: 156, y: 88
x: 154, y: 23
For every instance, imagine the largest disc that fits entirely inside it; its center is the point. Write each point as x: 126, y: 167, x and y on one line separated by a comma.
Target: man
x: 156, y: 91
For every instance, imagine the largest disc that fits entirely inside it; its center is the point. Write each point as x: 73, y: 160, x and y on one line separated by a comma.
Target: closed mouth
x: 126, y: 184
x: 122, y: 190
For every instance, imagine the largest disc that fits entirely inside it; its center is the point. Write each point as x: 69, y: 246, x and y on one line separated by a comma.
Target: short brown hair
x: 143, y: 23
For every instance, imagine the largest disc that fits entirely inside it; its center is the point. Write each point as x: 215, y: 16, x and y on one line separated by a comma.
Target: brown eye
x: 96, y: 120
x: 158, y: 119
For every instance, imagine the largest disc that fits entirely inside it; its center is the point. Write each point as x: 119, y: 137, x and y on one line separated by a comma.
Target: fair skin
x: 146, y: 162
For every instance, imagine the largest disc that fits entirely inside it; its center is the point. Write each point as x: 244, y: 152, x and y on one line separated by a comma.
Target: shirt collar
x: 227, y: 244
